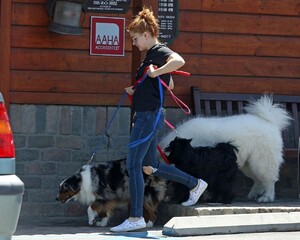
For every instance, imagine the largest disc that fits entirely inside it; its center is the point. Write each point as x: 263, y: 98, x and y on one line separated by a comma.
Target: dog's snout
x: 58, y: 198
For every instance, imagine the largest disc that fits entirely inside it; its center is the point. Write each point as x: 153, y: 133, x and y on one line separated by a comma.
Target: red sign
x: 107, y: 36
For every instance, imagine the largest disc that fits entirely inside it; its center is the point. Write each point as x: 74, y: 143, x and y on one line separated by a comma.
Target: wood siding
x: 5, y: 30
x: 236, y: 46
x: 51, y: 68
x: 240, y: 46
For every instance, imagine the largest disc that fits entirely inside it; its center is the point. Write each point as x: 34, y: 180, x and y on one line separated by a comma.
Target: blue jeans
x: 145, y: 154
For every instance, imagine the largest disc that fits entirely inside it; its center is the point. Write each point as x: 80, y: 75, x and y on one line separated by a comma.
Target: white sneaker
x: 195, y: 193
x: 129, y: 226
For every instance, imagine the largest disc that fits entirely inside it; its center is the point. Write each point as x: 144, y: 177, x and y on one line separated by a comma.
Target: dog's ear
x: 74, y: 187
x: 169, y: 146
x: 167, y: 149
x: 67, y: 186
x: 77, y: 176
x: 62, y: 182
x: 72, y: 183
x: 185, y: 140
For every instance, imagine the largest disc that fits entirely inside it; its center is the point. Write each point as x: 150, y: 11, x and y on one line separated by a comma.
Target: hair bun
x: 145, y: 21
x: 146, y: 13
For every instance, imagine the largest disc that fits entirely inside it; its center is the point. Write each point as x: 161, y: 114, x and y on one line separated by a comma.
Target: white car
x: 11, y: 187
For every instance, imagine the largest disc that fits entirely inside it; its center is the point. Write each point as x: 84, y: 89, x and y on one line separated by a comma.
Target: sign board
x: 168, y: 20
x: 107, y: 36
x: 112, y: 6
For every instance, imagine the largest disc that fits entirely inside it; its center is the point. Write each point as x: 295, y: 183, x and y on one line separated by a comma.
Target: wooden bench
x: 226, y: 104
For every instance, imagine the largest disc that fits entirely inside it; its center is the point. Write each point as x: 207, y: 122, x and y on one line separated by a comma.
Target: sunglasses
x: 134, y: 39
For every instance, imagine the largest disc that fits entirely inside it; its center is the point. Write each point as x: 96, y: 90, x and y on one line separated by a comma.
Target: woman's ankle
x: 134, y: 219
x: 149, y: 170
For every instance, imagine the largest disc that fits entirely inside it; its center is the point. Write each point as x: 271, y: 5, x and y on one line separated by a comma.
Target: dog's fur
x: 257, y: 134
x: 105, y: 186
x: 216, y: 165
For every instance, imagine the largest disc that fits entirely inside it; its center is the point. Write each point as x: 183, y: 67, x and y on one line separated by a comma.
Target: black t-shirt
x: 146, y: 96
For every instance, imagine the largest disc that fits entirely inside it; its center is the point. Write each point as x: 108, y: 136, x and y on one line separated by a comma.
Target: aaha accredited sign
x: 107, y: 36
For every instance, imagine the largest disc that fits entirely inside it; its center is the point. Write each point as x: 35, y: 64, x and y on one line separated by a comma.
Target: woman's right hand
x: 129, y: 90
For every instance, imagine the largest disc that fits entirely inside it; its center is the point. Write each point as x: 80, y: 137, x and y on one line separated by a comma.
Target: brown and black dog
x: 105, y: 186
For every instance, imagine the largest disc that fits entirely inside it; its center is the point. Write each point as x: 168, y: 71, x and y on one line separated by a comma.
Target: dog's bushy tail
x: 272, y: 112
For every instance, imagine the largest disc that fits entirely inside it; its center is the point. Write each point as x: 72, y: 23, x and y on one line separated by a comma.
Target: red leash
x: 163, y: 155
x: 180, y: 103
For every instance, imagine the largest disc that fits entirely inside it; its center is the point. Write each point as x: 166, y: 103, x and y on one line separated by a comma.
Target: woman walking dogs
x: 147, y: 103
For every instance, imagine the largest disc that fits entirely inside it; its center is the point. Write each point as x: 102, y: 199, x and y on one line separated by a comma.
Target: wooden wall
x: 47, y: 67
x: 5, y: 27
x: 240, y: 45
x: 229, y: 46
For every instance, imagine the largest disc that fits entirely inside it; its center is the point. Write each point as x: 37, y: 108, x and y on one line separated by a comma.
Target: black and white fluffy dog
x: 216, y: 165
x: 105, y: 186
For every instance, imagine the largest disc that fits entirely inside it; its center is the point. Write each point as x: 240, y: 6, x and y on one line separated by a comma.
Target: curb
x: 232, y: 223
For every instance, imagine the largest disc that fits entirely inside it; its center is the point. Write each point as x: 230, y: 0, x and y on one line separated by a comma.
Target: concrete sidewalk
x: 55, y: 232
x: 77, y: 228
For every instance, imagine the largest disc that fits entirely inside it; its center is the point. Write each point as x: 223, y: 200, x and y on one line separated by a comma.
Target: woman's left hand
x: 151, y: 71
x: 129, y: 90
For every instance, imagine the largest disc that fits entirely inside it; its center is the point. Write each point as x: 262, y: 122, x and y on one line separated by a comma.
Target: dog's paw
x: 92, y: 221
x: 91, y: 216
x: 102, y: 223
x: 265, y: 199
x: 254, y: 195
x: 149, y: 224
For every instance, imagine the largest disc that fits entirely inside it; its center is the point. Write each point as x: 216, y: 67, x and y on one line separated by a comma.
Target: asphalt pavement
x: 78, y: 230
x: 67, y: 228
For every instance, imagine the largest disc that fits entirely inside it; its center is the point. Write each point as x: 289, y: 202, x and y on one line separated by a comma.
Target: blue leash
x: 137, y: 142
x: 109, y: 124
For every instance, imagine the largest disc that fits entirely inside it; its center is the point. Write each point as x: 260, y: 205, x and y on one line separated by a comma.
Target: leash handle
x: 180, y: 103
x: 177, y: 72
x: 141, y: 79
x: 185, y: 108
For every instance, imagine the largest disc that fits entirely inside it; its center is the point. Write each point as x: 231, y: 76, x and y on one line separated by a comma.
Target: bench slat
x: 196, y: 101
x: 207, y: 107
x: 219, y: 108
x: 229, y: 107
